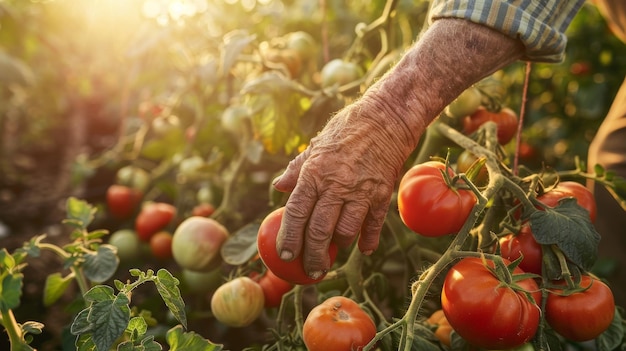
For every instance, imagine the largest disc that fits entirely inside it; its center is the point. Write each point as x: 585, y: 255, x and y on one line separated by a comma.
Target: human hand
x: 341, y: 185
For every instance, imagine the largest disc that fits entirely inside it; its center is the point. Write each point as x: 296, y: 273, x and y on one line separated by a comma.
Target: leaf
x: 271, y: 82
x: 110, y: 319
x: 137, y: 324
x: 85, y: 343
x: 254, y: 151
x: 167, y: 285
x: 101, y: 266
x: 234, y: 43
x: 11, y: 292
x: 189, y: 341
x: 241, y: 246
x: 568, y: 226
x: 55, y: 286
x: 79, y: 212
x: 611, y: 338
x: 165, y: 146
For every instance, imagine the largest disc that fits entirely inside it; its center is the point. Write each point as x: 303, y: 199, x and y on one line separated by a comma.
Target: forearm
x: 452, y: 55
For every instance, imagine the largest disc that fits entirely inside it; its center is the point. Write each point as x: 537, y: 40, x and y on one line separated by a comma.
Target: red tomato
x: 122, y: 200
x: 152, y: 218
x: 566, y: 189
x: 273, y: 288
x: 203, y: 210
x: 486, y: 312
x: 337, y: 324
x: 161, y: 245
x: 430, y: 207
x: 582, y: 315
x: 506, y: 119
x: 292, y: 271
x: 512, y: 246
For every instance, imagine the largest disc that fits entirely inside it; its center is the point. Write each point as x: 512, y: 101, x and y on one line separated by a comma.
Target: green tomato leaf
x: 109, y: 319
x: 137, y: 325
x: 79, y: 213
x: 55, y: 286
x: 11, y: 291
x: 611, y: 339
x: 167, y: 285
x: 568, y: 226
x: 241, y: 246
x: 101, y: 266
x: 180, y: 340
x: 85, y: 343
x: 234, y: 43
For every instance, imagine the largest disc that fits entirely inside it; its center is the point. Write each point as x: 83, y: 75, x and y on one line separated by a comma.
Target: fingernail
x: 316, y: 274
x: 286, y: 255
x: 276, y: 180
x: 368, y: 252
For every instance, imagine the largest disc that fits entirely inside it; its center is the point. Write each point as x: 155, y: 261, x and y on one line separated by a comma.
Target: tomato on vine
x: 292, y: 271
x: 429, y: 205
x: 122, y: 200
x: 338, y: 324
x: 505, y: 119
x: 486, y: 311
x: 161, y: 245
x: 443, y: 329
x: 153, y: 217
x: 584, y: 314
x: 274, y: 288
x: 584, y: 197
x: 523, y: 244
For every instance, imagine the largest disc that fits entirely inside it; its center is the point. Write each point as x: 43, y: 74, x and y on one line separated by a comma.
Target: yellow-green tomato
x: 339, y: 72
x: 127, y: 243
x: 238, y: 303
x: 465, y: 104
x: 197, y: 242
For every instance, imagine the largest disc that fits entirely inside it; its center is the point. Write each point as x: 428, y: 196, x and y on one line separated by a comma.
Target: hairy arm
x: 342, y: 183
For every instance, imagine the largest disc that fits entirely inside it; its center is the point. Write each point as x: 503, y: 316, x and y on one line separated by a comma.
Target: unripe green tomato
x: 205, y: 195
x: 201, y: 282
x: 127, y: 243
x: 133, y: 177
x: 339, y: 72
x: 302, y: 43
x: 465, y: 104
x: 238, y: 303
x: 163, y: 125
x: 190, y: 166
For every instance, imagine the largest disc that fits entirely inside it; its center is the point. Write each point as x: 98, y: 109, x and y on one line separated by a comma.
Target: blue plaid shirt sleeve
x: 539, y: 24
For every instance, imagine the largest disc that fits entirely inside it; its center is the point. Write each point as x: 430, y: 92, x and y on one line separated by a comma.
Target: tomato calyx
x: 505, y: 274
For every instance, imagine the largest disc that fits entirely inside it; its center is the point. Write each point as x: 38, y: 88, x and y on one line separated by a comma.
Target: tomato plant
x: 581, y: 314
x: 485, y: 311
x: 505, y: 119
x: 292, y: 271
x: 153, y: 217
x: 273, y: 288
x: 513, y: 246
x: 238, y: 303
x: 338, y: 323
x: 197, y: 241
x: 122, y: 201
x: 429, y: 205
x: 161, y: 245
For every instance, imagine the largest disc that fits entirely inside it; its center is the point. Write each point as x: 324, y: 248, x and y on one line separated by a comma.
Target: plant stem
x: 13, y: 329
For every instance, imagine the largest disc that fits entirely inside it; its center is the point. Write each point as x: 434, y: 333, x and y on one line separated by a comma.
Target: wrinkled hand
x: 341, y: 186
